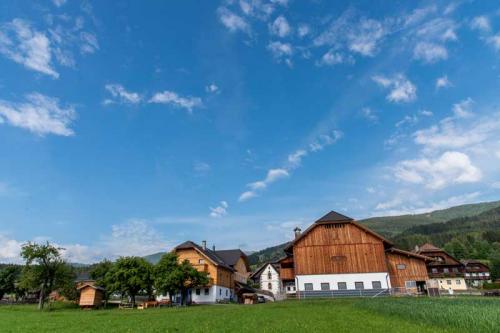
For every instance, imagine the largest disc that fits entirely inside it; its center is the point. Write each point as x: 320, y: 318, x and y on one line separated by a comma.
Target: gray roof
x: 212, y: 255
x: 333, y: 216
x: 231, y: 257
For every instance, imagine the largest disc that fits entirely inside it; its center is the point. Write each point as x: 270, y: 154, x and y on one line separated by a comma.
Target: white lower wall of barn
x: 215, y: 293
x: 349, y: 279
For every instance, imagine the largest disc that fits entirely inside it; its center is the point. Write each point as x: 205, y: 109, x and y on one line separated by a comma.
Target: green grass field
x: 336, y: 315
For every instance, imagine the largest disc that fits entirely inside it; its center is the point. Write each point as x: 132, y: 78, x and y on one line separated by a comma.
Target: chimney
x: 213, y: 247
x: 204, y: 244
x: 297, y: 232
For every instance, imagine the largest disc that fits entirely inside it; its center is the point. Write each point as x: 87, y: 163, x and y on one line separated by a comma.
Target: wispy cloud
x: 481, y: 23
x: 430, y: 52
x: 39, y: 114
x: 293, y: 161
x: 232, y: 21
x: 212, y: 88
x: 280, y: 27
x: 443, y: 82
x: 220, y: 210
x: 27, y: 46
x: 121, y: 95
x: 172, y: 98
x: 402, y: 90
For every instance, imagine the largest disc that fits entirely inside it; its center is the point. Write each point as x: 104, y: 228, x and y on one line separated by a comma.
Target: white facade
x: 453, y: 283
x: 270, y: 280
x: 289, y: 288
x: 207, y: 295
x: 349, y: 281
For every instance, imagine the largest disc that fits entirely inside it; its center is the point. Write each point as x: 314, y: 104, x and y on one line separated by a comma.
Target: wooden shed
x: 90, y: 296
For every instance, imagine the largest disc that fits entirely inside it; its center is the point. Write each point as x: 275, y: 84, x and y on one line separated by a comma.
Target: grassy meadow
x: 335, y: 315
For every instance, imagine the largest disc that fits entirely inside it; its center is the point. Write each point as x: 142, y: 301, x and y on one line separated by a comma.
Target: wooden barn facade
x: 91, y: 296
x: 338, y: 255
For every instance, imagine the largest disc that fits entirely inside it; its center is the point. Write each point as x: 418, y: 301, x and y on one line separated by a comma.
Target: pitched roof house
x: 226, y: 269
x: 446, y: 271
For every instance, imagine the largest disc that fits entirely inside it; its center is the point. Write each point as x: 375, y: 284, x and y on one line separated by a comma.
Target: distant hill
x: 154, y: 258
x: 390, y: 226
x: 439, y: 227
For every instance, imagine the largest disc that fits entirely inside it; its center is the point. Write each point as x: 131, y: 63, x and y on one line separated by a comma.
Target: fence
x: 342, y: 293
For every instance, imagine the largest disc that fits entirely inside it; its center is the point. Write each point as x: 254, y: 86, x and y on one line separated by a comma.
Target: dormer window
x: 201, y: 261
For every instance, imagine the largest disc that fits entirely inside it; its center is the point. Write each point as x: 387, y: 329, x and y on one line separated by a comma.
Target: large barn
x: 337, y: 254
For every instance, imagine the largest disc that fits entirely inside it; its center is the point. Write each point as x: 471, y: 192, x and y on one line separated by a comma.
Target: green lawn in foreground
x: 335, y: 315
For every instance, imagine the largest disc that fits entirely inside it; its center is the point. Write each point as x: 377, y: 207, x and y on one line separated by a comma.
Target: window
x: 288, y: 288
x: 325, y: 286
x: 434, y: 270
x: 220, y: 292
x: 401, y: 266
x: 359, y: 285
x: 455, y: 270
x: 448, y: 282
x: 269, y: 286
x: 269, y: 276
x: 207, y: 291
x: 446, y: 270
x: 294, y: 288
x: 376, y: 285
x: 198, y: 291
x: 410, y: 284
x: 226, y: 292
x: 201, y: 261
x: 342, y: 285
x: 458, y: 282
x: 308, y: 287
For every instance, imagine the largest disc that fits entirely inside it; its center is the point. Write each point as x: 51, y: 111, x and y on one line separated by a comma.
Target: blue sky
x: 128, y: 127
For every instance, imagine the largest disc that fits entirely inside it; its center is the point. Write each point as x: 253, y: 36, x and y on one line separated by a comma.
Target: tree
x: 130, y: 275
x: 8, y: 278
x: 166, y: 275
x: 495, y: 264
x: 189, y: 277
x: 101, y: 273
x: 45, y: 270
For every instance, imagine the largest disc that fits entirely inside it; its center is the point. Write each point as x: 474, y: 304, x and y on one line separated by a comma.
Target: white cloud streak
x: 402, y: 90
x: 172, y: 98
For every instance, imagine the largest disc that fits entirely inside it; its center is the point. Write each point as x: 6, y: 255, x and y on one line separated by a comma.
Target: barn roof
x: 334, y: 217
x: 90, y: 286
x: 409, y: 254
x: 211, y: 255
x: 428, y: 247
x: 231, y: 257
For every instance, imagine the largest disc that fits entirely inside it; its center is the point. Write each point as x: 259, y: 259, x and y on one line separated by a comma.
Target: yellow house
x: 226, y: 269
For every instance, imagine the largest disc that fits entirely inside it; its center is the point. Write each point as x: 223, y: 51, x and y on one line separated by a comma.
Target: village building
x: 267, y: 276
x: 476, y: 273
x: 228, y: 272
x: 446, y: 271
x: 338, y: 256
x: 91, y: 296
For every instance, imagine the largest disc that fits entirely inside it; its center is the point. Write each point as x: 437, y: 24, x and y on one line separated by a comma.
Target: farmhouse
x: 446, y: 271
x: 338, y: 255
x: 228, y: 271
x: 268, y: 278
x: 476, y: 272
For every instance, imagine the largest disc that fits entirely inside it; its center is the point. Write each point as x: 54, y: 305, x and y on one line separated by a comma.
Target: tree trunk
x: 41, y: 297
x: 133, y: 299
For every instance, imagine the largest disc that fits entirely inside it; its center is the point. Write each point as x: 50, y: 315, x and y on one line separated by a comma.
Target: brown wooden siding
x: 338, y: 248
x: 217, y: 275
x: 415, y: 269
x: 90, y: 297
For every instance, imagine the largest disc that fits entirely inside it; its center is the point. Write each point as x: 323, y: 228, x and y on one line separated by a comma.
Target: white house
x: 268, y: 278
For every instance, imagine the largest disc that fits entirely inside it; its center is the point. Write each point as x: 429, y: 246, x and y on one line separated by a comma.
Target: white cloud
x: 247, y: 195
x: 438, y: 30
x: 370, y: 190
x: 303, y: 30
x: 463, y: 108
x: 257, y: 8
x: 280, y: 50
x: 172, y: 98
x: 481, y: 23
x: 295, y: 159
x: 27, y: 46
x: 232, y: 21
x: 39, y: 114
x: 443, y: 82
x: 332, y: 58
x: 430, y: 52
x: 426, y: 113
x: 365, y: 37
x: 58, y: 3
x: 280, y: 27
x: 212, y: 88
x: 89, y: 42
x: 124, y: 96
x: 10, y: 250
x: 324, y: 140
x: 220, y: 210
x: 272, y: 176
x: 494, y: 41
x: 201, y: 167
x: 402, y: 90
x: 369, y: 114
x: 451, y: 167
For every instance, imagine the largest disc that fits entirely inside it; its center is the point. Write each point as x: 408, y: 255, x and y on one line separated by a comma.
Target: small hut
x: 90, y: 295
x: 249, y: 298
